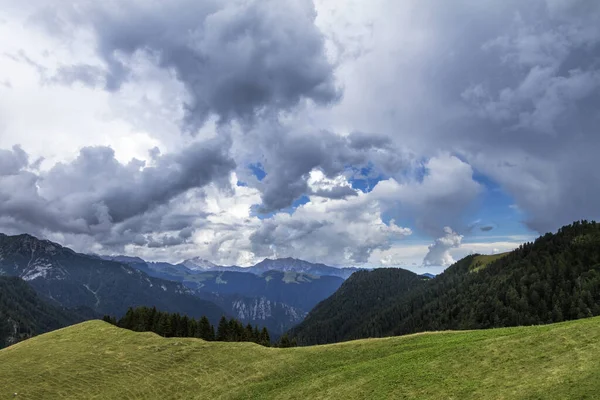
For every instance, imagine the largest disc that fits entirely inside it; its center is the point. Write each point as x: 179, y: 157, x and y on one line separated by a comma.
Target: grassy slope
x: 96, y: 360
x: 481, y: 261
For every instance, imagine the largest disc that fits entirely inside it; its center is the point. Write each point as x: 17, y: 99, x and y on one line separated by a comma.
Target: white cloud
x: 339, y: 231
x: 439, y: 252
x: 440, y: 197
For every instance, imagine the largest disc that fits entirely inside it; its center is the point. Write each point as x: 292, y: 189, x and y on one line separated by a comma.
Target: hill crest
x: 97, y: 360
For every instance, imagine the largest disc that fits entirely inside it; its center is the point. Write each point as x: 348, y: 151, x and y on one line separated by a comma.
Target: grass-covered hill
x: 554, y: 279
x: 97, y: 360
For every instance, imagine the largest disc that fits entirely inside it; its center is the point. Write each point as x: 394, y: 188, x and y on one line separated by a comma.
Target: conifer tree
x: 205, y: 329
x: 166, y: 327
x: 265, y: 339
x: 223, y: 330
x: 249, y: 334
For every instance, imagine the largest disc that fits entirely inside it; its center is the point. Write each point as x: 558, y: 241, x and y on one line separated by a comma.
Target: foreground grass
x: 96, y: 360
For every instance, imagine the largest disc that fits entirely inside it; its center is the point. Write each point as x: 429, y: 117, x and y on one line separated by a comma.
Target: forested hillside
x: 335, y: 318
x: 554, y: 279
x: 24, y: 314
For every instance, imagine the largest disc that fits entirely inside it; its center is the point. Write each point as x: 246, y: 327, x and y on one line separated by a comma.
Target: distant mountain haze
x: 73, y: 280
x: 274, y: 293
x: 280, y: 264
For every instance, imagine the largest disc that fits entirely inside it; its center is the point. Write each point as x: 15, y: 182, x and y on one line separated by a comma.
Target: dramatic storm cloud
x: 236, y: 59
x: 95, y: 191
x: 347, y: 132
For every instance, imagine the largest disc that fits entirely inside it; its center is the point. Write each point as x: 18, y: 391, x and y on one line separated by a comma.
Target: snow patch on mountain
x: 199, y: 264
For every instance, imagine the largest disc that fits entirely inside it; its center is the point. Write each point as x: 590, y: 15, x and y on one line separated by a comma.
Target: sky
x: 364, y: 133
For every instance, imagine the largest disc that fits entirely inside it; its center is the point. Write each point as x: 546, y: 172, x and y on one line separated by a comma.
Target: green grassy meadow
x: 95, y: 360
x: 481, y: 261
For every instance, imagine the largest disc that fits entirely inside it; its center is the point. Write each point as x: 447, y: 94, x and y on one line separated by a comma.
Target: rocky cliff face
x: 277, y: 316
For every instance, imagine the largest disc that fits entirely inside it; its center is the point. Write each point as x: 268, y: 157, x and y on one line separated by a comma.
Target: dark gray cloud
x: 368, y: 141
x: 236, y: 59
x: 97, y: 195
x: 536, y: 129
x: 290, y: 157
x: 166, y: 241
x: 11, y: 162
x: 511, y: 87
x: 96, y: 181
x: 338, y: 192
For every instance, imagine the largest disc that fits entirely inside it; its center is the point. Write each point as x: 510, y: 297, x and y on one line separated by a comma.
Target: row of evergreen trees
x: 146, y: 319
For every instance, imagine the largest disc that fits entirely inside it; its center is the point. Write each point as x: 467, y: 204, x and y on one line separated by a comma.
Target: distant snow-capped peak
x: 198, y: 264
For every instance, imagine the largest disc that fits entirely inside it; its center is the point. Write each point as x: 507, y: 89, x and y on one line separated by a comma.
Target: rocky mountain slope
x: 275, y: 299
x: 72, y: 280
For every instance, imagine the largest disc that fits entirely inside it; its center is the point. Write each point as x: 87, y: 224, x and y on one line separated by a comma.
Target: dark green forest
x: 553, y: 279
x: 146, y: 319
x: 338, y: 316
x: 23, y: 313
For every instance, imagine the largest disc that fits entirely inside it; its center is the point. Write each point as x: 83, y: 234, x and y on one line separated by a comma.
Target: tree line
x: 146, y: 319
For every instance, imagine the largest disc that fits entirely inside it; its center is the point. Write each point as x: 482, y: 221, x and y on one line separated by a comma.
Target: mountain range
x: 69, y: 279
x: 258, y: 295
x: 279, y: 264
x: 274, y: 293
x: 553, y: 279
